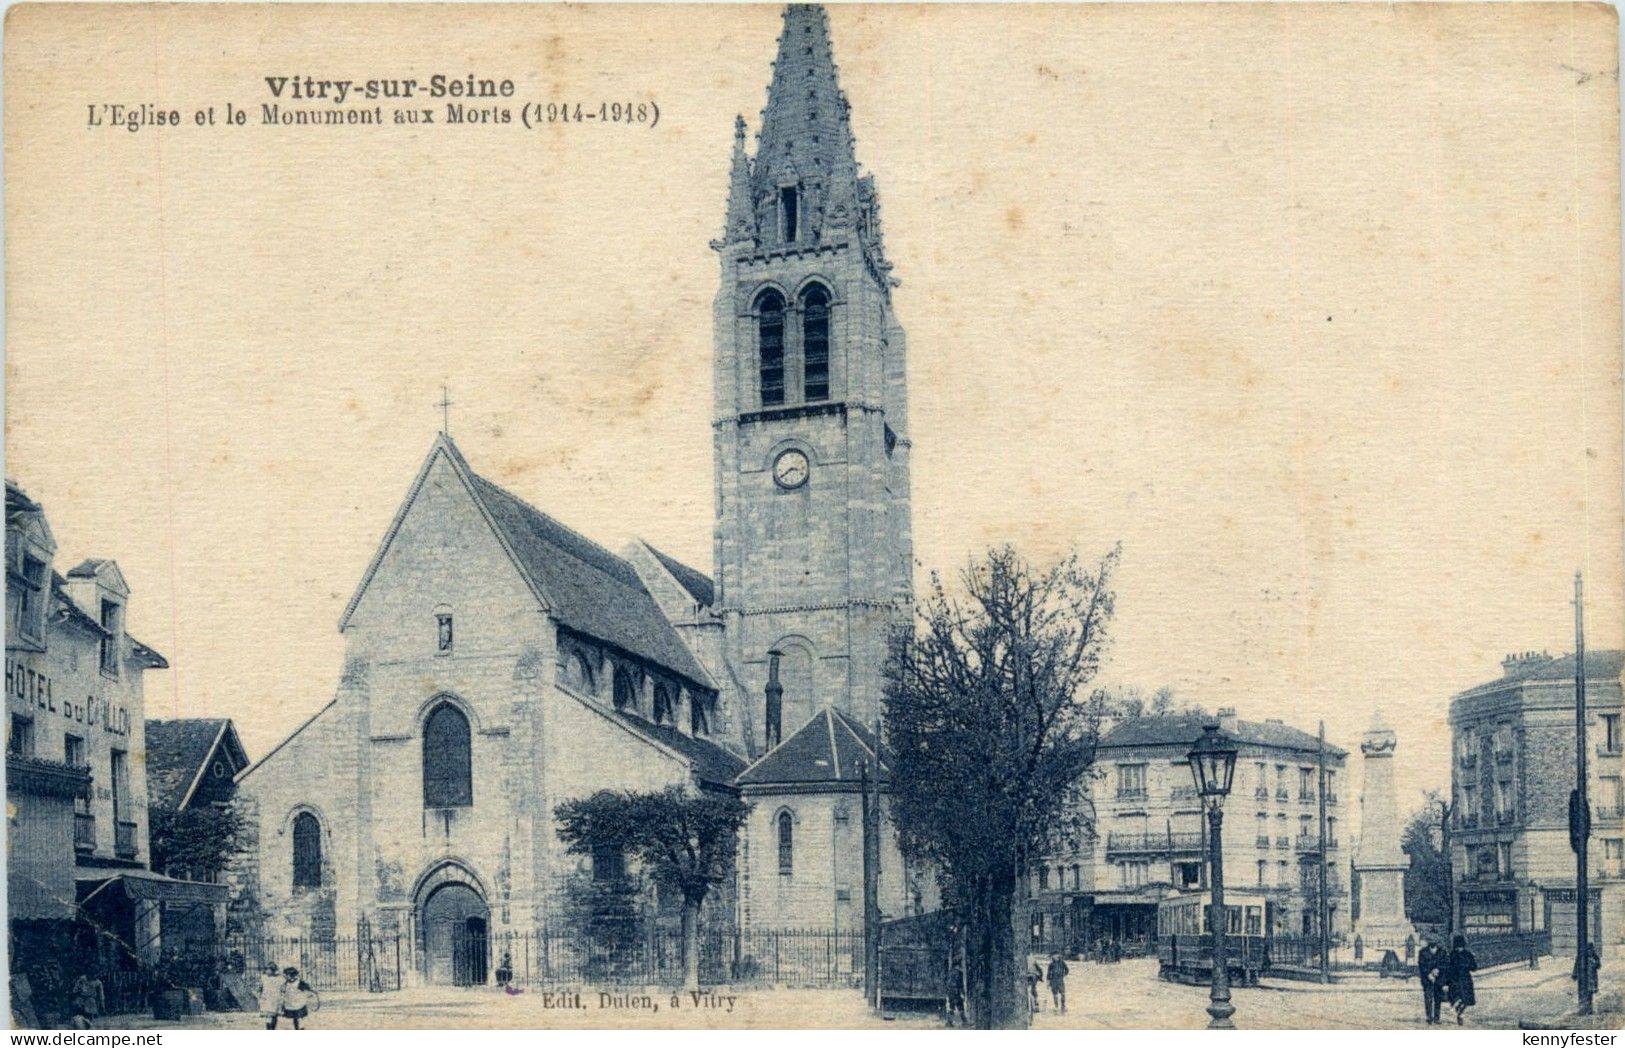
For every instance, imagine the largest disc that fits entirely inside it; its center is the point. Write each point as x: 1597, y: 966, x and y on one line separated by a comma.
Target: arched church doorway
x: 455, y: 925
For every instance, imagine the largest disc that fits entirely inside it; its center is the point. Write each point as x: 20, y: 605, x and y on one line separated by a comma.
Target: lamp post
x: 1213, y: 766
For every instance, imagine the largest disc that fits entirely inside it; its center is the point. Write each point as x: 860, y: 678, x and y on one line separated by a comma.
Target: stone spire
x: 803, y: 187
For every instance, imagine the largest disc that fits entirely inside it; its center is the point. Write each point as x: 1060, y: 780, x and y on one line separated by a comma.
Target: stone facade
x: 815, y: 564
x: 1512, y: 769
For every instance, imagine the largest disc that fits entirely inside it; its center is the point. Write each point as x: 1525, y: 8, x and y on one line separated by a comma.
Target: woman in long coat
x: 1458, y: 975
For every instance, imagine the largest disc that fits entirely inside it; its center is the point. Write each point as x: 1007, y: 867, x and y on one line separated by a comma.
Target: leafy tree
x: 991, y: 727
x: 684, y: 842
x: 195, y: 844
x: 1427, y: 882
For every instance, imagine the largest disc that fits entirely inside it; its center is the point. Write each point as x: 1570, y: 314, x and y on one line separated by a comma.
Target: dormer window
x: 29, y: 608
x: 112, y: 620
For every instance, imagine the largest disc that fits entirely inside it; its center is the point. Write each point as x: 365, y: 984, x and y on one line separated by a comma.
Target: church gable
x: 443, y: 580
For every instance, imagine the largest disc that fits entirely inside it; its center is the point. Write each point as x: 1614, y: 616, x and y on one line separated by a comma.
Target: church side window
x: 307, y: 851
x: 788, y: 209
x: 626, y: 696
x: 448, y: 780
x: 443, y: 632
x: 665, y: 704
x: 699, y: 717
x: 787, y: 847
x: 770, y: 345
x: 815, y: 342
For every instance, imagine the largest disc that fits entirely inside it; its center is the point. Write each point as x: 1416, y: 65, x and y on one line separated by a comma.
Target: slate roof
x: 713, y: 765
x: 1600, y: 664
x: 828, y: 748
x: 698, y: 584
x: 1183, y: 729
x: 590, y: 589
x: 86, y: 568
x: 17, y: 501
x: 176, y: 751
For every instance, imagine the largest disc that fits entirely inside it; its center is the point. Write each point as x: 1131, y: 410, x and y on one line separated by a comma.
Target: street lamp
x: 1213, y: 766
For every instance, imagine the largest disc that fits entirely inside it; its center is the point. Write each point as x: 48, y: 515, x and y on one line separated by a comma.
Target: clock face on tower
x: 790, y: 469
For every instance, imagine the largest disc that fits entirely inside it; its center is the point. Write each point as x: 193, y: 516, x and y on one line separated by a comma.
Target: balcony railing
x: 124, y: 840
x: 1283, y: 843
x: 1503, y: 757
x: 1262, y: 793
x: 1331, y: 843
x: 1263, y: 840
x: 1307, y: 843
x: 1182, y: 793
x: 1152, y: 843
x: 1306, y: 796
x: 1469, y: 760
x: 84, y: 832
x: 1282, y: 794
x: 1610, y: 811
x: 1331, y: 798
x: 1131, y: 793
x: 1469, y: 820
x: 1506, y: 818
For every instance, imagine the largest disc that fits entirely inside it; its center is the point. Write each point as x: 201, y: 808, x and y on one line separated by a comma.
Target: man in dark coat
x: 1057, y: 982
x: 1458, y: 973
x: 1430, y: 966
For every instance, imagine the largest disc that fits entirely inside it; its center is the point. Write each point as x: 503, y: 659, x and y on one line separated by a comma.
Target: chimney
x: 1227, y: 719
x: 775, y: 699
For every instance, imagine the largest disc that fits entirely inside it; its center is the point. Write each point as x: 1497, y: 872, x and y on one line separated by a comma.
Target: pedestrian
x: 1458, y: 973
x: 1057, y: 983
x: 1593, y: 964
x: 1430, y: 966
x: 956, y: 996
x: 296, y: 997
x: 86, y: 1001
x: 270, y: 1001
x: 505, y: 969
x: 1034, y: 977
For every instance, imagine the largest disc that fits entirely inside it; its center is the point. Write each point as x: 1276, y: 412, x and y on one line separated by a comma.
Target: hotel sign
x: 29, y: 686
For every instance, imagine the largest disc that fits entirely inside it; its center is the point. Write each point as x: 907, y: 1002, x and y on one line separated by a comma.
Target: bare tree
x: 991, y: 726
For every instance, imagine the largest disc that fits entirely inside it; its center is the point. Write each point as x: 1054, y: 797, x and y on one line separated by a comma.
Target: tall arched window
x: 307, y: 851
x: 787, y: 846
x: 448, y: 773
x: 815, y: 342
x: 626, y: 694
x: 770, y: 344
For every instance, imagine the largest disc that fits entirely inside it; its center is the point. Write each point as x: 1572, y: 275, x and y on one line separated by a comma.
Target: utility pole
x: 1325, y: 915
x: 1580, y: 809
x: 871, y: 885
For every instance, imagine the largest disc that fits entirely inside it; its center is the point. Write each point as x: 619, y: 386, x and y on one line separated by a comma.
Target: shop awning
x: 146, y: 886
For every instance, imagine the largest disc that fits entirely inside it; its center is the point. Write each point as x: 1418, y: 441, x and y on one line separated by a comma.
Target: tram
x: 1185, y: 936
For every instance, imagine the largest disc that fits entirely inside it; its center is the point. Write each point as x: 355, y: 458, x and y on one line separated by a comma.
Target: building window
x: 1043, y: 878
x: 20, y: 743
x: 815, y: 342
x: 1610, y: 733
x: 1263, y: 873
x: 770, y: 346
x: 665, y: 704
x: 608, y: 863
x: 1331, y: 786
x: 1469, y: 804
x: 1613, y: 854
x: 73, y: 751
x: 443, y: 632
x: 787, y: 848
x: 788, y: 213
x: 448, y: 780
x: 626, y: 695
x: 120, y: 782
x: 578, y: 674
x: 699, y: 714
x: 1504, y: 860
x: 307, y: 851
x: 1306, y: 784
x: 113, y: 626
x: 1331, y: 833
x: 1131, y: 780
x: 30, y: 588
x: 1611, y: 797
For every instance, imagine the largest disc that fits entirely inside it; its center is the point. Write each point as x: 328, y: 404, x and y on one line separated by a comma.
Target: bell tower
x: 813, y: 554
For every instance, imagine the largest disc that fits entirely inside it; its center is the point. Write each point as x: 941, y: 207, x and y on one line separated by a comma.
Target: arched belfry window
x: 448, y: 773
x: 770, y: 346
x: 787, y: 845
x: 815, y: 342
x: 307, y: 851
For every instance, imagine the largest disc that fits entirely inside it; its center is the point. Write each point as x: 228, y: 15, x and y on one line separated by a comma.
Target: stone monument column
x: 1378, y: 859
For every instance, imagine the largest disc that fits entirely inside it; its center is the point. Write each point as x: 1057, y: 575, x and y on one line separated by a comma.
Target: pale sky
x: 1314, y: 309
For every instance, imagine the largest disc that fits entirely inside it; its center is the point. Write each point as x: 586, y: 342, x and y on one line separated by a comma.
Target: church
x: 498, y: 663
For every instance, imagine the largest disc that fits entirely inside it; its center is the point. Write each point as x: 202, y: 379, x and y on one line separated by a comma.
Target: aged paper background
x: 1314, y: 308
